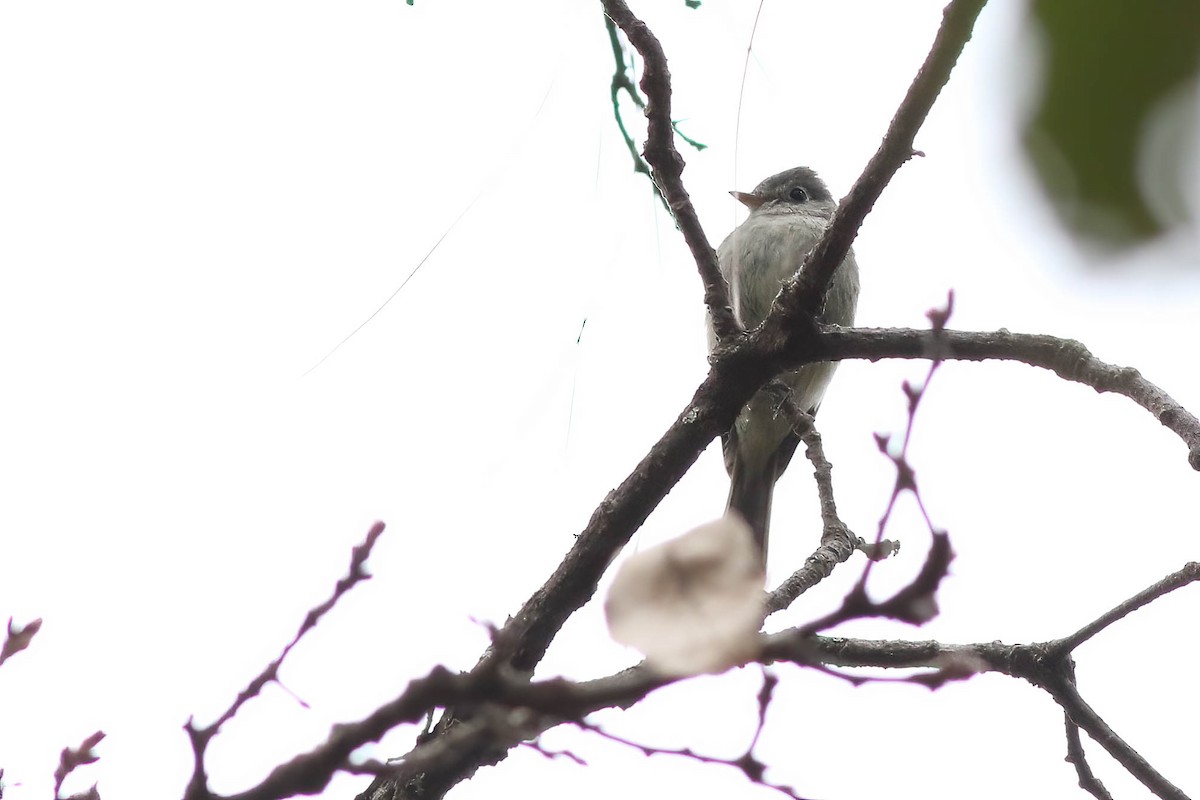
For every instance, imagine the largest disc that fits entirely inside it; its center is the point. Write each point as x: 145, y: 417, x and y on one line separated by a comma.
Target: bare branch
x: 915, y: 604
x: 621, y: 82
x: 1068, y: 359
x: 919, y: 605
x: 667, y: 164
x: 537, y: 747
x: 748, y: 763
x: 737, y: 373
x: 1064, y: 691
x: 200, y: 737
x: 1047, y: 665
x: 1189, y: 574
x: 357, y: 574
x: 817, y: 567
x: 803, y: 294
x: 524, y: 638
x: 500, y: 709
x: 1075, y: 755
x: 838, y: 542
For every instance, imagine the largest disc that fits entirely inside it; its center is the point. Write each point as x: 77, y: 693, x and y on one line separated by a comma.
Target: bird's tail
x: 750, y: 495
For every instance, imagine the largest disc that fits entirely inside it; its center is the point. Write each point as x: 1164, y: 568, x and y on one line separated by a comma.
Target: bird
x: 789, y: 212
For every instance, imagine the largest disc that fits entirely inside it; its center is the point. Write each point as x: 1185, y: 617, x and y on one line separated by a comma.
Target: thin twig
x: 748, y: 763
x: 838, y: 542
x: 1189, y: 574
x: 1076, y: 756
x: 817, y: 567
x: 1067, y: 695
x: 200, y: 737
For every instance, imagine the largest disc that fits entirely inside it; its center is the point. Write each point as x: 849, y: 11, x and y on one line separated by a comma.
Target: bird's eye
x: 797, y: 194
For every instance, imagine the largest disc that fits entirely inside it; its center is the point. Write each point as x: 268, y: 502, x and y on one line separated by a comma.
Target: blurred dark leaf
x: 1108, y: 67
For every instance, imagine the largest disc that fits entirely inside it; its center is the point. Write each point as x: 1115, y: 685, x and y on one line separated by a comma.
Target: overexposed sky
x: 198, y: 202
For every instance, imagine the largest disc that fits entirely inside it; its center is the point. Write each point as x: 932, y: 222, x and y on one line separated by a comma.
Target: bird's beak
x: 750, y: 201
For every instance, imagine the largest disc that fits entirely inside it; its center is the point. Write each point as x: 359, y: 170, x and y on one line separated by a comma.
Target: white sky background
x: 198, y: 201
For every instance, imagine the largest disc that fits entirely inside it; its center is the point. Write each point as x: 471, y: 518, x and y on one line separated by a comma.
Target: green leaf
x: 1109, y: 135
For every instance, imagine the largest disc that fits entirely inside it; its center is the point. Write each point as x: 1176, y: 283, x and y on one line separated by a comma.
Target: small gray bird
x: 788, y: 215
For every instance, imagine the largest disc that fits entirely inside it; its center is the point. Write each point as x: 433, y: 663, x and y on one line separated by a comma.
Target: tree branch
x: 737, y: 373
x: 838, y: 542
x: 513, y: 710
x: 621, y: 82
x: 1075, y: 755
x: 200, y: 737
x: 1068, y: 359
x: 1064, y: 691
x: 666, y: 164
x: 524, y: 639
x: 803, y: 294
x: 1189, y: 574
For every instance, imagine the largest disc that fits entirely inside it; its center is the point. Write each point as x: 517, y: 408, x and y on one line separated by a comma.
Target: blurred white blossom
x: 694, y: 604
